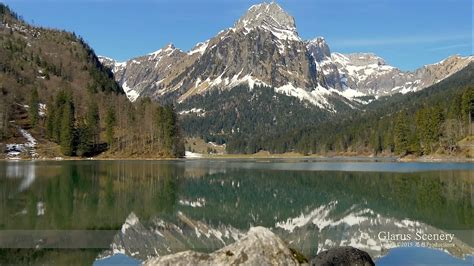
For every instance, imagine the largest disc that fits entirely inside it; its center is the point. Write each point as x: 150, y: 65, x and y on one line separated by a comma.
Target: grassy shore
x: 48, y: 153
x: 359, y: 157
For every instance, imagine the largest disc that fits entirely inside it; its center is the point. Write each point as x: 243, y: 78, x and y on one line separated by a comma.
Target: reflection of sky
x: 118, y: 259
x: 421, y: 256
x: 317, y: 165
x: 374, y: 166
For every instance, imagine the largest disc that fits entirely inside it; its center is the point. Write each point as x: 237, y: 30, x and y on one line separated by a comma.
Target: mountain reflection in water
x: 160, y: 207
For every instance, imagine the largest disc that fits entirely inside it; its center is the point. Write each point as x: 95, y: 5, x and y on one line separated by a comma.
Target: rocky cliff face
x: 321, y: 54
x: 264, y: 48
x: 145, y: 73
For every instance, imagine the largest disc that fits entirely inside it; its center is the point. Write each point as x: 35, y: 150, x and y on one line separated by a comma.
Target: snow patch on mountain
x: 130, y: 92
x: 350, y: 93
x: 198, y: 203
x: 199, y: 48
x: 361, y: 66
x: 317, y: 96
x: 16, y: 149
x: 283, y: 34
x: 271, y: 17
x: 197, y: 111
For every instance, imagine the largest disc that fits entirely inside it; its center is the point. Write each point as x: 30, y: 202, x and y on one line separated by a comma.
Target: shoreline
x: 292, y: 156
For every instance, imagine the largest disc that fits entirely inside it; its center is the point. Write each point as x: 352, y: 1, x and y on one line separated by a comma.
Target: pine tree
x: 414, y: 146
x: 376, y: 141
x: 401, y: 134
x: 83, y: 137
x: 33, y: 111
x: 455, y: 108
x: 169, y: 128
x: 436, y: 122
x: 67, y: 129
x: 63, y: 98
x: 159, y: 128
x: 422, y: 129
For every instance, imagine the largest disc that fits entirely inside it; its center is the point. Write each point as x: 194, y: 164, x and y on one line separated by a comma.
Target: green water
x: 100, y: 195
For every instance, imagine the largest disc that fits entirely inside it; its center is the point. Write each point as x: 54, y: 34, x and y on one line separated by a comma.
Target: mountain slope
x: 46, y: 58
x: 57, y: 99
x: 249, y: 115
x: 131, y: 74
x: 43, y: 61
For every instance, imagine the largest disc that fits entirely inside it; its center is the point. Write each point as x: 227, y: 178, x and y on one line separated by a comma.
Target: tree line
x: 434, y: 127
x: 430, y: 128
x: 121, y: 128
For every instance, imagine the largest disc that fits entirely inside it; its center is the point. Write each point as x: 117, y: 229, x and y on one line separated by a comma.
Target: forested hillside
x: 53, y: 87
x: 420, y: 123
x: 248, y: 116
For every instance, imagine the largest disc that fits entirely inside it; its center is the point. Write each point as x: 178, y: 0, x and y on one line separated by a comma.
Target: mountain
x: 366, y: 74
x: 259, y: 86
x: 139, y: 75
x: 264, y: 48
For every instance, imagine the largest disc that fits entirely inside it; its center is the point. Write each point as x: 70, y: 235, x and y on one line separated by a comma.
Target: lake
x: 105, y: 212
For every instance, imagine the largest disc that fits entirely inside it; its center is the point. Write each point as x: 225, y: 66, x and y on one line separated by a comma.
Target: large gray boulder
x: 342, y: 256
x: 258, y: 247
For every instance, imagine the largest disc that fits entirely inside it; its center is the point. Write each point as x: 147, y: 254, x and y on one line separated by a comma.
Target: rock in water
x: 258, y: 247
x: 342, y: 256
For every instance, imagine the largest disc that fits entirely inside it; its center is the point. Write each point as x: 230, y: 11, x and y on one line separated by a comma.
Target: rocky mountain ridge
x: 264, y: 48
x: 366, y: 74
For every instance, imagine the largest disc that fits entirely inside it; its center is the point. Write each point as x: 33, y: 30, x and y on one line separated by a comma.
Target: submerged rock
x: 258, y: 247
x: 342, y: 256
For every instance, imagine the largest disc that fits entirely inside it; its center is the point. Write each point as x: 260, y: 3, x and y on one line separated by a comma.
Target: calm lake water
x: 86, y: 212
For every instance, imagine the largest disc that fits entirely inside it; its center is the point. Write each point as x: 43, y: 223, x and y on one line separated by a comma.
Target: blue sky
x: 407, y: 33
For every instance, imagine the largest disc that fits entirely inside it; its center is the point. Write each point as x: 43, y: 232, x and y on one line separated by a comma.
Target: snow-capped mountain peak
x: 263, y: 48
x: 272, y: 17
x: 168, y: 49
